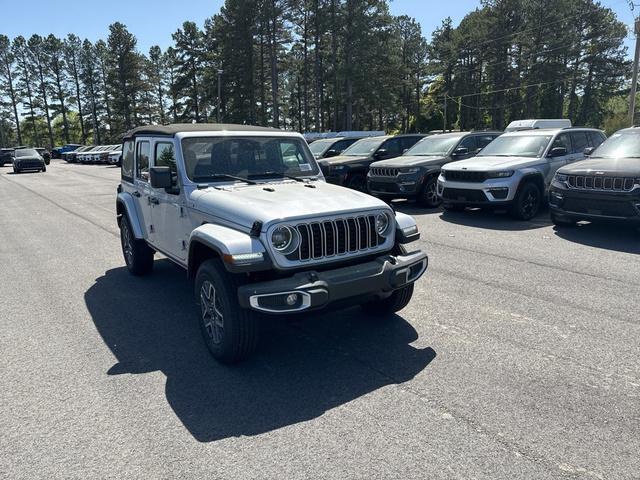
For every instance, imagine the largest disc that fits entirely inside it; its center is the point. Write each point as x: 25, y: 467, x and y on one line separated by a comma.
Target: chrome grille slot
x: 589, y: 182
x: 384, y: 172
x: 330, y: 238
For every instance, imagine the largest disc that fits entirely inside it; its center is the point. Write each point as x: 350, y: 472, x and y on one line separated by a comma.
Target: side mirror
x: 160, y: 177
x: 330, y: 153
x: 383, y: 152
x: 557, y: 152
x: 460, y: 151
x: 588, y: 151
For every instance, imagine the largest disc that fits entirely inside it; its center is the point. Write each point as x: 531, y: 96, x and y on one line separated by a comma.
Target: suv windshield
x: 619, y: 145
x: 208, y: 158
x: 364, y: 147
x: 517, y: 146
x: 432, y: 146
x: 26, y: 152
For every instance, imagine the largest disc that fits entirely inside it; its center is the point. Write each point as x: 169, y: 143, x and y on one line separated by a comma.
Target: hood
x: 624, y: 167
x: 481, y: 164
x: 288, y: 200
x: 343, y: 159
x: 410, y: 161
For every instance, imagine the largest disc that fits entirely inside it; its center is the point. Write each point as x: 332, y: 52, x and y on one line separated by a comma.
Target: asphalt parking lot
x: 518, y: 357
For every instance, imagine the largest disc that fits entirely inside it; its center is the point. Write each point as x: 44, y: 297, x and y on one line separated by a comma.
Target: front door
x: 168, y: 212
x: 142, y: 191
x: 554, y: 163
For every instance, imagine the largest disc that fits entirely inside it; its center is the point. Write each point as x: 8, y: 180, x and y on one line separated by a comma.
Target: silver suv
x: 515, y: 170
x: 246, y: 211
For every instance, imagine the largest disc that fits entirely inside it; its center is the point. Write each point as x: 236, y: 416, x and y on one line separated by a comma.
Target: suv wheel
x: 429, y: 194
x: 44, y: 168
x: 357, y: 182
x: 137, y: 254
x: 230, y: 332
x: 560, y: 221
x: 527, y: 202
x: 16, y: 170
x: 392, y: 304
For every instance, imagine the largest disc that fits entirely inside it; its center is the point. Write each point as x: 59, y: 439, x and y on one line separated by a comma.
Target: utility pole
x: 634, y: 81
x: 444, y: 122
x: 220, y: 72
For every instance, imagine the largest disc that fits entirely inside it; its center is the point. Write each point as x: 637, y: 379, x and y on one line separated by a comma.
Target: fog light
x: 499, y: 193
x: 292, y: 299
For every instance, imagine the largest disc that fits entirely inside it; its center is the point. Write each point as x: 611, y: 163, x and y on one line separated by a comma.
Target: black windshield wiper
x: 220, y: 176
x: 276, y: 174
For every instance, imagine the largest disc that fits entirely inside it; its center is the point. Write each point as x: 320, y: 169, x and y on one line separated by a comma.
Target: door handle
x: 154, y: 200
x: 136, y: 194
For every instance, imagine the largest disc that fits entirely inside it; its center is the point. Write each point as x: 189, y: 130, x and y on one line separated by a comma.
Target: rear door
x: 579, y: 141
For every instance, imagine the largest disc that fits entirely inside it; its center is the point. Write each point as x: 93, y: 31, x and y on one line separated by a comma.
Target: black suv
x: 6, y: 156
x: 604, y: 187
x: 331, y: 147
x: 350, y: 169
x: 414, y: 175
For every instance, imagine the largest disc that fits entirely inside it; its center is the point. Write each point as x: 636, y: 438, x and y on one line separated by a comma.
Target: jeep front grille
x: 383, y: 172
x: 592, y: 182
x: 336, y: 237
x: 465, y: 176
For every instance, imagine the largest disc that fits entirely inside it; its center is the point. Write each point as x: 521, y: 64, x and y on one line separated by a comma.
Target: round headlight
x: 382, y: 223
x: 283, y: 239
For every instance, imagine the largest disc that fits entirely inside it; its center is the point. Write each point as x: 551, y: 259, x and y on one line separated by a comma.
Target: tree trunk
x: 274, y: 65
x: 14, y: 103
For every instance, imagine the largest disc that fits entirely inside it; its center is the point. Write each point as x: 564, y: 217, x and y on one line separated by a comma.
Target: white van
x: 538, y: 123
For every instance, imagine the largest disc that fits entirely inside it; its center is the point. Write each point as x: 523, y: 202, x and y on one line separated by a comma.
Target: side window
x: 142, y: 161
x: 562, y: 140
x: 484, y: 140
x: 393, y: 146
x: 408, y: 142
x: 165, y: 157
x: 127, y: 160
x: 579, y: 141
x: 596, y: 139
x: 469, y: 143
x: 341, y: 145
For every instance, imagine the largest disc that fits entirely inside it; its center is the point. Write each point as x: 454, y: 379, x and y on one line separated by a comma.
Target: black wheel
x: 357, y: 182
x: 398, y: 300
x: 44, y: 168
x: 230, y: 332
x: 137, y: 254
x: 560, y: 221
x: 16, y: 170
x: 527, y: 202
x: 453, y: 207
x: 429, y: 194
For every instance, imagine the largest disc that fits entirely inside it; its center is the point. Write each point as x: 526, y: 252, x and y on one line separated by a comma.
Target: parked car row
x: 103, y: 154
x: 577, y: 171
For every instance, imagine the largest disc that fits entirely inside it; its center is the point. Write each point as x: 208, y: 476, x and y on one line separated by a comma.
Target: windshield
x: 364, y: 147
x: 517, y: 146
x: 433, y: 146
x: 26, y: 152
x: 320, y: 146
x: 619, y: 145
x: 208, y: 158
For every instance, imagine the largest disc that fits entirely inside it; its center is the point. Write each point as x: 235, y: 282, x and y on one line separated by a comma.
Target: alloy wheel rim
x: 212, y: 316
x: 127, y: 244
x: 431, y: 193
x: 529, y: 204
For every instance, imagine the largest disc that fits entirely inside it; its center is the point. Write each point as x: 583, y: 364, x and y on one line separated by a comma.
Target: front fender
x: 228, y: 243
x: 406, y: 228
x: 125, y: 205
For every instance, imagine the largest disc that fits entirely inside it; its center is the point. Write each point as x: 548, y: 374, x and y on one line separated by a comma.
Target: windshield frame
x: 314, y: 173
x: 503, y: 138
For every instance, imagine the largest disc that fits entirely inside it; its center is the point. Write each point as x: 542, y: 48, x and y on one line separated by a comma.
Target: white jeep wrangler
x: 245, y: 210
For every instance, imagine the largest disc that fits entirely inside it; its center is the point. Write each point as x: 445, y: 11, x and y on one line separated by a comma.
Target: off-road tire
x: 428, y: 196
x: 398, y: 300
x: 561, y: 222
x: 138, y: 256
x: 527, y: 202
x: 358, y: 182
x: 232, y: 337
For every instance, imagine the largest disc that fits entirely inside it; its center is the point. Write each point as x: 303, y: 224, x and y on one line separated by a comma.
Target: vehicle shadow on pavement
x: 491, y: 220
x: 304, y: 367
x: 620, y: 238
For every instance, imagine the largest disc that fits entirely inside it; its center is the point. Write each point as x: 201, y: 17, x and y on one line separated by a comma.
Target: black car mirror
x: 331, y: 153
x: 383, y: 152
x: 160, y: 177
x: 460, y: 151
x: 588, y: 151
x: 557, y: 152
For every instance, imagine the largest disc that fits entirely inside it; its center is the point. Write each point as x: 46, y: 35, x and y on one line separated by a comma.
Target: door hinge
x: 181, y: 212
x: 151, y: 229
x: 184, y: 245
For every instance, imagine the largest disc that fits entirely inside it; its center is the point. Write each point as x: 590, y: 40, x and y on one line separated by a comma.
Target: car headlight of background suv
x: 560, y: 178
x: 408, y: 171
x: 502, y: 174
x: 337, y: 168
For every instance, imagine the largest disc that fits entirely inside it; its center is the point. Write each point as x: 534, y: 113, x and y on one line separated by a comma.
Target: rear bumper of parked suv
x: 312, y: 290
x: 595, y: 206
x: 493, y: 192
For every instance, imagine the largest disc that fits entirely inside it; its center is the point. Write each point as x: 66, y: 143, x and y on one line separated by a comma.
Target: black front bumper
x: 595, y: 205
x: 403, y: 187
x: 316, y: 290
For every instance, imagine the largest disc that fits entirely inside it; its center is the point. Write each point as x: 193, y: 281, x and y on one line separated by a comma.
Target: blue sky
x: 153, y: 21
